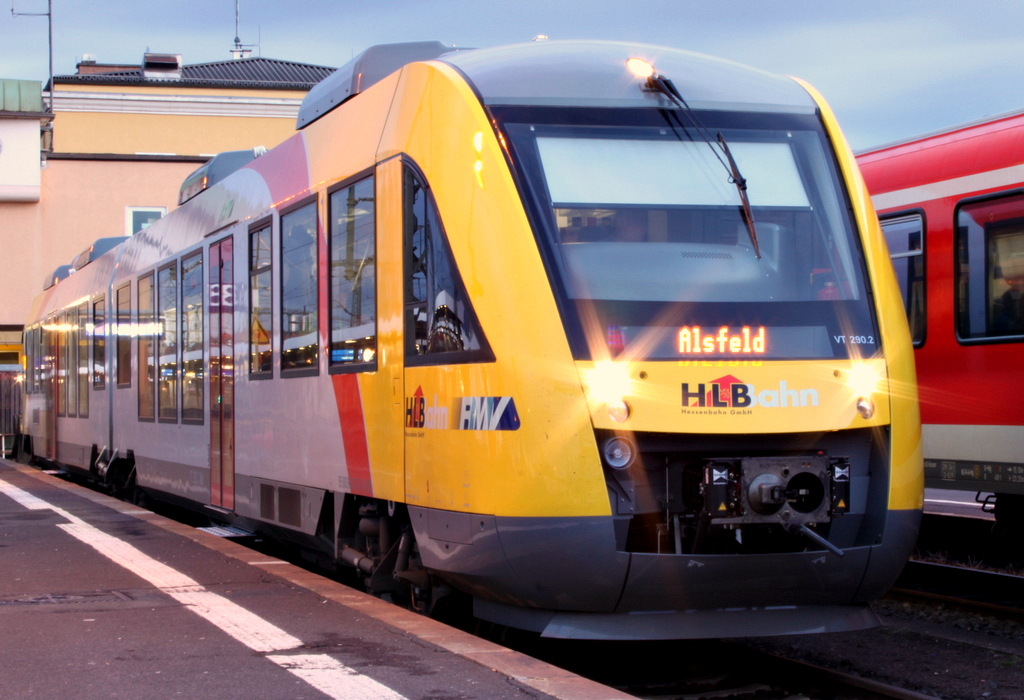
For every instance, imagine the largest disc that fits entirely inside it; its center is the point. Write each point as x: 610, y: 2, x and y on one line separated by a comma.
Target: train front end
x: 745, y: 400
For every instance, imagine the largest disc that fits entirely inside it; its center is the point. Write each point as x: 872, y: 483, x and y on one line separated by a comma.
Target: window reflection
x: 299, y: 345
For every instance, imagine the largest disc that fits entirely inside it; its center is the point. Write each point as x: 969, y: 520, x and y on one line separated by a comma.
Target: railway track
x: 694, y: 670
x: 968, y: 589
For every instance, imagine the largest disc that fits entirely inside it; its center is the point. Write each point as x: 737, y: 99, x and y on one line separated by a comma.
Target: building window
x: 261, y: 321
x: 124, y: 336
x: 82, y: 374
x: 990, y: 269
x: 147, y: 363
x: 353, y: 275
x: 192, y: 329
x: 99, y: 349
x: 905, y: 236
x: 439, y: 320
x: 299, y: 328
x: 139, y: 218
x: 166, y: 329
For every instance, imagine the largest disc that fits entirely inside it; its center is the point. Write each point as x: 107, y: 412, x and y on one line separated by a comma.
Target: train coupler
x: 792, y: 491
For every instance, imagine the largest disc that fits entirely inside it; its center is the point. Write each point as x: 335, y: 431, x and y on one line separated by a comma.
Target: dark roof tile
x: 244, y: 72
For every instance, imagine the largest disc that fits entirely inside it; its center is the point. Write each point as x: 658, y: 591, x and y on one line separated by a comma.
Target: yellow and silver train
x: 602, y: 335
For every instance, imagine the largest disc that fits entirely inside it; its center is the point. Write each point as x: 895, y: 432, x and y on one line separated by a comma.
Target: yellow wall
x: 165, y: 134
x: 98, y: 119
x: 254, y: 118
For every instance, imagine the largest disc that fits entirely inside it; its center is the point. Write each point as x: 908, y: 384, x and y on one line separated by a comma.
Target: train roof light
x: 640, y: 68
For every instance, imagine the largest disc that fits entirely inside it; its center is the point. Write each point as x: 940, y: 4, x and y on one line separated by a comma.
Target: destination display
x: 732, y: 342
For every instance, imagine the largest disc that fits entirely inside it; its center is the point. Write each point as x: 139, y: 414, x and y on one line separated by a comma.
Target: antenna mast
x: 49, y: 19
x: 239, y: 51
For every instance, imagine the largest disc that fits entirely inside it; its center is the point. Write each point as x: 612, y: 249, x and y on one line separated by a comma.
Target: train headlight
x: 618, y: 452
x: 862, y: 379
x: 608, y: 383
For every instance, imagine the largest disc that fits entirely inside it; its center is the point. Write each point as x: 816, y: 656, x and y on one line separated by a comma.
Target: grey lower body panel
x: 682, y: 624
x: 557, y: 575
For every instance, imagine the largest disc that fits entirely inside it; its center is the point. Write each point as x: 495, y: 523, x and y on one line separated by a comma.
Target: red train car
x: 952, y: 208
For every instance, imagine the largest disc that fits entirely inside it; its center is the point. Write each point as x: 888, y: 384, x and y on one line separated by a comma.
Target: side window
x: 439, y: 319
x: 192, y: 330
x: 70, y: 360
x: 167, y: 342
x: 261, y: 321
x: 353, y: 275
x: 990, y: 269
x: 82, y: 373
x: 124, y: 336
x: 30, y: 360
x: 99, y: 349
x: 299, y: 328
x: 905, y: 236
x: 147, y: 364
x: 62, y: 365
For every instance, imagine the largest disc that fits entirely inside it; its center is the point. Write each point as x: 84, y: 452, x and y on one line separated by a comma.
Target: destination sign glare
x: 694, y: 340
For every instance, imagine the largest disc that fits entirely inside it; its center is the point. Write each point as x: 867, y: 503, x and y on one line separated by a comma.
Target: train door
x: 222, y: 390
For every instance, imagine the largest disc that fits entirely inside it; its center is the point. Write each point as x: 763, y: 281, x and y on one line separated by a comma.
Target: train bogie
x: 509, y: 321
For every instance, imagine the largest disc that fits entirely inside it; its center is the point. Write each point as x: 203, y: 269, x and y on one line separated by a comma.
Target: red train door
x: 222, y: 387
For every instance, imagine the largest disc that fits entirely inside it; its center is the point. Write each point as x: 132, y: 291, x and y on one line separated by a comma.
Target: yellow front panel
x: 726, y: 397
x: 457, y: 456
x: 549, y: 465
x: 381, y: 391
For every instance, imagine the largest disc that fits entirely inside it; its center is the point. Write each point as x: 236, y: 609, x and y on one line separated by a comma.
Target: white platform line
x: 323, y: 672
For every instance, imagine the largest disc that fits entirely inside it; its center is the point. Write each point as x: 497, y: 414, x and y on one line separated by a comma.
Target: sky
x: 890, y: 69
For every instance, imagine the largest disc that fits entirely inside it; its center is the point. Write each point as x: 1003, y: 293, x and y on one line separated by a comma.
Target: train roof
x: 949, y: 131
x: 568, y: 73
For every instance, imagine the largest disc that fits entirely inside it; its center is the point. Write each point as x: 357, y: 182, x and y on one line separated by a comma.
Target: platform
x: 101, y: 599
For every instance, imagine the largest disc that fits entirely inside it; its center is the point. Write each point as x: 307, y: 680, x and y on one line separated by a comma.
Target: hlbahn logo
x: 473, y: 413
x: 730, y: 392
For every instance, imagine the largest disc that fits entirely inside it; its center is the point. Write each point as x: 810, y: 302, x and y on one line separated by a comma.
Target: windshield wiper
x: 661, y: 84
x: 741, y: 188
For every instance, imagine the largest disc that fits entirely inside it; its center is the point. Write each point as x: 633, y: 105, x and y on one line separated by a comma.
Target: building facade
x: 110, y: 155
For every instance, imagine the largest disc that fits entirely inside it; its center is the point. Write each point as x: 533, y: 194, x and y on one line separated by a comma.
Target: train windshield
x: 647, y: 242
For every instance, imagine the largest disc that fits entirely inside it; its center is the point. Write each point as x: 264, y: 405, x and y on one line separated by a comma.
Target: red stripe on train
x: 353, y: 433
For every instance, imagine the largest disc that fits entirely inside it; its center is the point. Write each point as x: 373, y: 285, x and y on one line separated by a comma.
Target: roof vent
x: 61, y: 273
x: 98, y: 248
x: 161, y: 66
x: 215, y: 170
x: 366, y: 69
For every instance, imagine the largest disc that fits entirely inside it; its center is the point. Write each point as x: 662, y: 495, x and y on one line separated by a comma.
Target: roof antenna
x: 239, y: 51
